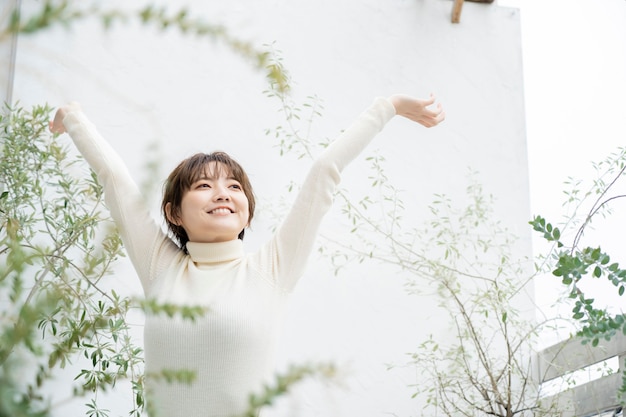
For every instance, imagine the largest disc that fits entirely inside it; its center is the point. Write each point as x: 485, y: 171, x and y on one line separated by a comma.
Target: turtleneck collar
x: 215, y: 252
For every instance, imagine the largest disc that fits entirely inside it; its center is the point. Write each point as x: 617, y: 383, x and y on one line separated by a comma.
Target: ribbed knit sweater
x: 231, y: 347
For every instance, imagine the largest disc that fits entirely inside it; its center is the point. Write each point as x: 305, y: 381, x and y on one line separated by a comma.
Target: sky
x: 574, y: 54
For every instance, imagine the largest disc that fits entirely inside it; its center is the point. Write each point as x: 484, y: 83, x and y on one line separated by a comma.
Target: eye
x: 234, y: 184
x: 203, y: 185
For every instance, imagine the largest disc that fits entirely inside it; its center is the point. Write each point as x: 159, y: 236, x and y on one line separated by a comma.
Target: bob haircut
x: 191, y: 170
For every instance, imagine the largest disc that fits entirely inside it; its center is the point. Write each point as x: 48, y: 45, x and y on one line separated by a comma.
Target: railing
x: 594, y: 398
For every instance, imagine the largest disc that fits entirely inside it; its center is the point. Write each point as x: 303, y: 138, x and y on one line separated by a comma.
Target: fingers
x: 442, y: 114
x: 432, y: 113
x: 56, y: 130
x: 439, y: 115
x: 432, y: 118
x: 430, y: 100
x: 56, y: 125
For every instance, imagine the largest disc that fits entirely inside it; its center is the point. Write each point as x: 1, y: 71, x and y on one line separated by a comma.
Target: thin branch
x: 590, y: 216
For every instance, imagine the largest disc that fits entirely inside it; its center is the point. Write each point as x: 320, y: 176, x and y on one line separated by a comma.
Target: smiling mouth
x: 221, y: 210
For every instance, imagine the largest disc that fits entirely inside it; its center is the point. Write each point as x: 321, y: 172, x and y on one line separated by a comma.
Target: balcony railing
x: 598, y: 397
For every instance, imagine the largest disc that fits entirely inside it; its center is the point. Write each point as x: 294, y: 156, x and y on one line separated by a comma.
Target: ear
x: 170, y: 217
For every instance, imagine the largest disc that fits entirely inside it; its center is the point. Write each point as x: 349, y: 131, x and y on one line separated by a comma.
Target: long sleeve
x: 147, y: 245
x: 290, y: 248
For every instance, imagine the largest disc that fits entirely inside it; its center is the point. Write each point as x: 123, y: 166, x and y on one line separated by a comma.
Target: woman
x: 208, y: 203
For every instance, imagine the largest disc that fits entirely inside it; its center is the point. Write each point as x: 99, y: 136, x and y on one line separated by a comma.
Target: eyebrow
x: 214, y: 177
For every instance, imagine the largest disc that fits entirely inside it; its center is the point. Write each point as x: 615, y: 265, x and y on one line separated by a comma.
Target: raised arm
x: 290, y: 248
x: 147, y: 246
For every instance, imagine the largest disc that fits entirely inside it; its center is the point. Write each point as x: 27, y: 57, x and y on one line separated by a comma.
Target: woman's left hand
x: 418, y: 110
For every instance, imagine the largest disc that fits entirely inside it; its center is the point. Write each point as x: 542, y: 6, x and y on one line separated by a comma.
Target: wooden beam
x: 456, y: 11
x: 458, y: 6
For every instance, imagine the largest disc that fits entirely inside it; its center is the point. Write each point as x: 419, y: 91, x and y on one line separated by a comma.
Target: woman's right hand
x: 56, y: 125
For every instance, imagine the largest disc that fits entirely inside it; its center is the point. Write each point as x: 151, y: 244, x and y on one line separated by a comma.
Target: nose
x: 222, y: 193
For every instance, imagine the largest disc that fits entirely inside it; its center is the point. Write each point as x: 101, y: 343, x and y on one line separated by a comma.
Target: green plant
x: 57, y: 246
x: 481, y: 287
x: 577, y: 264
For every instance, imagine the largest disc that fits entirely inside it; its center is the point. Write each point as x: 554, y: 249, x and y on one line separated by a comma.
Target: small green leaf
x: 597, y: 272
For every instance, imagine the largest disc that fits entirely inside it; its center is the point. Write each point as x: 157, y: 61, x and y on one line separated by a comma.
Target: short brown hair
x: 191, y: 170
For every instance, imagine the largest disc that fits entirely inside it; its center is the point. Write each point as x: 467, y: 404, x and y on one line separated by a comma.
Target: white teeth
x: 220, y: 211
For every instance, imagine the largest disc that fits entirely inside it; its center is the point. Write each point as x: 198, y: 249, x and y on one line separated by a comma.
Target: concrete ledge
x: 571, y: 355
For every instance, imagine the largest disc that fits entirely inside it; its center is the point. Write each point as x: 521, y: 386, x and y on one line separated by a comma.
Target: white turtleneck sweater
x: 231, y: 347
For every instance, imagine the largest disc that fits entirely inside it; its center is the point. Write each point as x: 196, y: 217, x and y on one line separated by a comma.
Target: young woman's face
x: 215, y: 208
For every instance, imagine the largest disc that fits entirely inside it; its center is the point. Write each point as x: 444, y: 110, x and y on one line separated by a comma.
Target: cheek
x: 189, y: 204
x: 190, y: 199
x: 246, y: 208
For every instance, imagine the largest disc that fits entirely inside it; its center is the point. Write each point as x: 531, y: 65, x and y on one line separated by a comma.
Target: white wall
x: 140, y: 86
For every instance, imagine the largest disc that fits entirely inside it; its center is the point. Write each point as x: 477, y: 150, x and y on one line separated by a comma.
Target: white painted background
x: 140, y: 86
